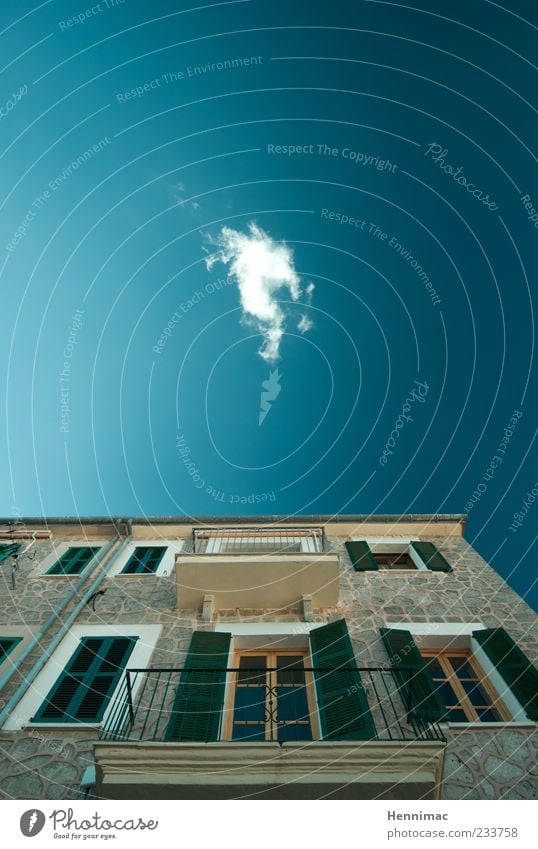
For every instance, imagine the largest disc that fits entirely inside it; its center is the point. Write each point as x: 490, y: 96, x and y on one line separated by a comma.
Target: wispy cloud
x: 261, y: 268
x: 305, y: 324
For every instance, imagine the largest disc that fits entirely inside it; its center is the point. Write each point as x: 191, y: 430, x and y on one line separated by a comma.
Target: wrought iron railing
x: 262, y: 540
x: 145, y: 702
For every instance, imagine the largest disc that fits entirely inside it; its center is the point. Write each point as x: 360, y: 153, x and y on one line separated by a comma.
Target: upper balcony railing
x: 146, y: 706
x: 263, y: 540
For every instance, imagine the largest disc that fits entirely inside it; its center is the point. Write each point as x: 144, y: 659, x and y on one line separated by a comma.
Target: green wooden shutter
x: 432, y: 557
x: 342, y: 702
x: 513, y: 665
x: 73, y: 561
x: 7, y: 644
x: 360, y: 555
x: 8, y: 550
x: 199, y: 701
x: 145, y: 559
x: 83, y: 690
x: 417, y: 688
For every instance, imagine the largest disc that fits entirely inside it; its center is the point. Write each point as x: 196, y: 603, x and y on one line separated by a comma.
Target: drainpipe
x: 45, y: 656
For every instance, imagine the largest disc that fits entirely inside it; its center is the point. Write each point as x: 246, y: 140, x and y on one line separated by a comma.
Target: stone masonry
x: 480, y: 763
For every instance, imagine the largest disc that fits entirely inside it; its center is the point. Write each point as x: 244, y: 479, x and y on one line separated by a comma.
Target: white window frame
x: 38, y: 691
x: 457, y: 636
x: 60, y: 548
x: 396, y: 545
x: 173, y: 547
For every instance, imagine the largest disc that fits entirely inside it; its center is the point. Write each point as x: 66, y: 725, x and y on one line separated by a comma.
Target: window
x: 7, y: 644
x: 257, y: 540
x: 270, y: 693
x: 463, y: 689
x: 83, y: 691
x: 271, y: 697
x: 73, y: 561
x: 144, y: 560
x: 394, y: 560
x: 395, y: 554
x: 144, y: 639
x: 7, y: 550
x: 461, y: 673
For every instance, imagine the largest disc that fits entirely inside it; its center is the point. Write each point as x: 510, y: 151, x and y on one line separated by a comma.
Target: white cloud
x: 304, y: 324
x: 261, y: 267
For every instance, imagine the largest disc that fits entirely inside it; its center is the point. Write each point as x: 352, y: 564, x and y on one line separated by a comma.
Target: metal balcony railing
x: 262, y: 540
x: 144, y: 703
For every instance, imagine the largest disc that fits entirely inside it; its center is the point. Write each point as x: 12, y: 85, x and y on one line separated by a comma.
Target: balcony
x: 262, y: 568
x: 385, y: 752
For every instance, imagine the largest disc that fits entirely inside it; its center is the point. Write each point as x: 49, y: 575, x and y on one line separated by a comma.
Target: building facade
x: 321, y: 657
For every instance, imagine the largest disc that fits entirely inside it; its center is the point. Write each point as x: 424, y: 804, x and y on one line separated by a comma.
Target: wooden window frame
x: 270, y: 655
x: 464, y: 703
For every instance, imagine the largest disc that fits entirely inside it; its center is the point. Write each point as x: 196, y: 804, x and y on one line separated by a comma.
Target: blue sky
x: 374, y: 169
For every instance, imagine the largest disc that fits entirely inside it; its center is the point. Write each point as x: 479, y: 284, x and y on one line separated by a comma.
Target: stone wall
x: 480, y: 763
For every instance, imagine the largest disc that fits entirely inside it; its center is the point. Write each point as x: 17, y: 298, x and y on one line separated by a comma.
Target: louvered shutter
x: 418, y: 691
x: 144, y: 560
x: 199, y: 701
x: 431, y: 556
x: 73, y: 561
x: 7, y: 644
x: 513, y: 665
x: 343, y: 705
x: 7, y: 550
x: 83, y: 691
x: 360, y: 555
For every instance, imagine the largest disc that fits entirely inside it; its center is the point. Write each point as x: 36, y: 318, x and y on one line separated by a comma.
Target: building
x: 314, y: 657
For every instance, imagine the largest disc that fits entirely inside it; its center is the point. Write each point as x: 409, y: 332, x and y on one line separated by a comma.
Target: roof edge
x: 323, y: 518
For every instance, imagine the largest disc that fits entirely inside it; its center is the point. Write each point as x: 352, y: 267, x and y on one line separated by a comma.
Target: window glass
x: 394, y: 560
x: 270, y: 698
x: 462, y: 687
x: 144, y: 560
x: 73, y: 561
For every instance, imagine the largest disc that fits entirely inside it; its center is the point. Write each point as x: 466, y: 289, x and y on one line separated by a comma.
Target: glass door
x: 271, y: 697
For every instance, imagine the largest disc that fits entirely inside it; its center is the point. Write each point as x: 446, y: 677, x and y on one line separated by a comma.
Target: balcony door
x: 271, y: 698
